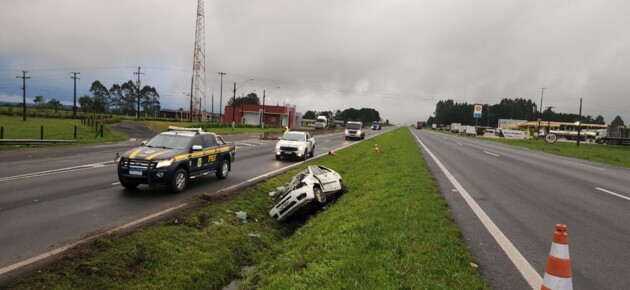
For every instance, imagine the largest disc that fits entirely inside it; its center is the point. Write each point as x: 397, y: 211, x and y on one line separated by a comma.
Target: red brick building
x: 253, y: 114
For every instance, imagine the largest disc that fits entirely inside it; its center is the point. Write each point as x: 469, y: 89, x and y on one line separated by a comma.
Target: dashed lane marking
x: 615, y: 194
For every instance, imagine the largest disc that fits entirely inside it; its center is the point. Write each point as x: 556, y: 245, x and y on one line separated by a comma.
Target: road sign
x: 477, y: 112
x: 551, y: 138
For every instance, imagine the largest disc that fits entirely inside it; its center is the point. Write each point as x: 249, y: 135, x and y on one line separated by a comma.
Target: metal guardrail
x: 33, y: 141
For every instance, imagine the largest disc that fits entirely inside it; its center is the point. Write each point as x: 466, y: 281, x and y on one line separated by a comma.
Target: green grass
x: 390, y: 230
x: 161, y: 126
x: 55, y: 128
x: 609, y: 154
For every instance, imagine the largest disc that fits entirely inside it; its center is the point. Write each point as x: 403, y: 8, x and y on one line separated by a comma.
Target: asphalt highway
x: 53, y: 197
x: 525, y: 193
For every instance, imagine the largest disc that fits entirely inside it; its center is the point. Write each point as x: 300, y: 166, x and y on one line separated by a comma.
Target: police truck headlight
x: 165, y: 163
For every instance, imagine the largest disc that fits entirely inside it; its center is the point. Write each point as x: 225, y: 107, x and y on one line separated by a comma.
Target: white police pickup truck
x: 295, y: 144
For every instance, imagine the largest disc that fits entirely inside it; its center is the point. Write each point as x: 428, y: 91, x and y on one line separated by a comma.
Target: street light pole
x: 542, y: 91
x: 262, y: 123
x: 234, y: 108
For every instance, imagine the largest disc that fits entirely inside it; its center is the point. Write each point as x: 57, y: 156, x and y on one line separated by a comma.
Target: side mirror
x: 196, y: 148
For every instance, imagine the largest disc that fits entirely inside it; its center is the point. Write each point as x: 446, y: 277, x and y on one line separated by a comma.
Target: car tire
x: 129, y: 185
x: 305, y: 155
x: 320, y: 197
x: 312, y: 152
x: 179, y: 181
x: 223, y: 170
x: 277, y: 157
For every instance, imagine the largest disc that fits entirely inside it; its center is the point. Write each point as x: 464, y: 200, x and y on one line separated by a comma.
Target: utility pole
x: 23, y: 77
x: 540, y: 110
x: 234, y: 108
x: 262, y: 122
x: 74, y: 107
x: 221, y: 98
x: 579, y: 124
x: 138, y: 86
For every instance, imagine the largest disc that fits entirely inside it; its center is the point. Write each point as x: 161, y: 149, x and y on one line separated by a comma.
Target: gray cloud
x: 399, y: 57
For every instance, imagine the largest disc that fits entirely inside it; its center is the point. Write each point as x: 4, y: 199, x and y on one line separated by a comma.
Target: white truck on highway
x: 295, y: 144
x: 321, y: 122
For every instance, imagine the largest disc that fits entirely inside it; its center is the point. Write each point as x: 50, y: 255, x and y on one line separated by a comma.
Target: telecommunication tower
x: 198, y: 85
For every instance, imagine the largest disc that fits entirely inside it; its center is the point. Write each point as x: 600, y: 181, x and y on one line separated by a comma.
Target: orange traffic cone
x: 558, y: 272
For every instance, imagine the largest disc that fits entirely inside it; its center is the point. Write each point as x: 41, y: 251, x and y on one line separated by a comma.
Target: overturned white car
x: 312, y: 187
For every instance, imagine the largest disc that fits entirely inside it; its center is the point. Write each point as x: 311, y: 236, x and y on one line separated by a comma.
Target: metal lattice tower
x: 198, y: 88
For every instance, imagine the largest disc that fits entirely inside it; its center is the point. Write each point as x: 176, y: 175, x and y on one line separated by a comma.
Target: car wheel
x: 277, y: 157
x: 224, y: 169
x: 305, y: 155
x: 129, y: 185
x: 320, y: 197
x: 346, y: 138
x: 312, y: 152
x: 179, y: 181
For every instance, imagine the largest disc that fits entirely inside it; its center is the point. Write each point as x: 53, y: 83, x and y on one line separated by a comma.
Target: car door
x: 209, y: 161
x: 196, y: 160
x: 328, y: 180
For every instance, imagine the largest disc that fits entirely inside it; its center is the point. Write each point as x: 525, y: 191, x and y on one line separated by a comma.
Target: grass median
x: 609, y: 154
x: 390, y: 230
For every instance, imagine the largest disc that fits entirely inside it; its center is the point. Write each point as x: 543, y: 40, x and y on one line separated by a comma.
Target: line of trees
x: 365, y: 115
x: 120, y: 99
x: 448, y: 111
x: 41, y: 103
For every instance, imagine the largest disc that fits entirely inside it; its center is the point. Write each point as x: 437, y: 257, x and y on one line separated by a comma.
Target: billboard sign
x: 477, y: 112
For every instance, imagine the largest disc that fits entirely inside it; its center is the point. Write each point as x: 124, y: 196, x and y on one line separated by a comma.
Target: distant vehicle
x: 354, y: 130
x: 433, y: 126
x: 471, y: 131
x: 419, y: 125
x: 455, y: 128
x: 174, y: 157
x: 321, y: 122
x: 615, y: 135
x: 312, y: 187
x: 376, y: 125
x: 295, y: 144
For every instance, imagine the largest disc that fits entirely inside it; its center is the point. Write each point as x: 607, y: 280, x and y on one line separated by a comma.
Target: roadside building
x: 252, y: 114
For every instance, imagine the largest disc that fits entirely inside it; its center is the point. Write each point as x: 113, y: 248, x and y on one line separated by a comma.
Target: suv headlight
x: 165, y: 163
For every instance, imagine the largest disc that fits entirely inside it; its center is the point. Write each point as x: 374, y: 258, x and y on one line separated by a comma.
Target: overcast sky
x: 398, y: 57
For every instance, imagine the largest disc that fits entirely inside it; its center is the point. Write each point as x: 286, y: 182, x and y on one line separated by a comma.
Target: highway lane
x: 52, y: 197
x: 525, y: 193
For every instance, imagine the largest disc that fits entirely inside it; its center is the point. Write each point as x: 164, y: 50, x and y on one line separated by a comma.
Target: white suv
x: 355, y: 130
x: 295, y: 144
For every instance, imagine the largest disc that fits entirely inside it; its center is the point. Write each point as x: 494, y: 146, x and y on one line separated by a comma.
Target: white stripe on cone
x: 557, y: 283
x: 559, y: 251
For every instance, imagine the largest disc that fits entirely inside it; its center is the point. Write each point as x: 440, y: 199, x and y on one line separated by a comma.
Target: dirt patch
x: 135, y: 129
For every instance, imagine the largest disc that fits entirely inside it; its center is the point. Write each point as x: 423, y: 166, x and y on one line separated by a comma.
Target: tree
x: 617, y: 121
x: 39, y: 100
x: 101, y: 100
x: 54, y: 103
x: 251, y: 98
x: 600, y: 120
x: 86, y: 103
x: 150, y: 100
x: 309, y: 115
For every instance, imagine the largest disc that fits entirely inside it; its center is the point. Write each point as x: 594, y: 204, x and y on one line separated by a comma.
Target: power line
x: 138, y: 86
x: 74, y: 107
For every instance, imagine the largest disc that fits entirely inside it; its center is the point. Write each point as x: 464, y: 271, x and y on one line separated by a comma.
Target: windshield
x: 375, y: 123
x: 353, y: 126
x: 169, y: 142
x: 293, y: 137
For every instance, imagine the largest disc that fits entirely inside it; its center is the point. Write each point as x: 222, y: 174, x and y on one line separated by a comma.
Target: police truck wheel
x: 129, y: 185
x: 179, y: 181
x: 312, y: 152
x: 224, y: 169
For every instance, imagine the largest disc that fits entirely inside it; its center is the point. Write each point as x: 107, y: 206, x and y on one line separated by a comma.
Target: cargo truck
x: 615, y: 135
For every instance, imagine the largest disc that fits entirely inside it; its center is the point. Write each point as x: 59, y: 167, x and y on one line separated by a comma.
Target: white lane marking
x: 524, y: 267
x: 66, y: 247
x: 57, y: 171
x: 245, y: 144
x: 459, y: 144
x: 615, y: 194
x: 584, y: 165
x: 326, y: 141
x: 116, y: 183
x: 497, y: 155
